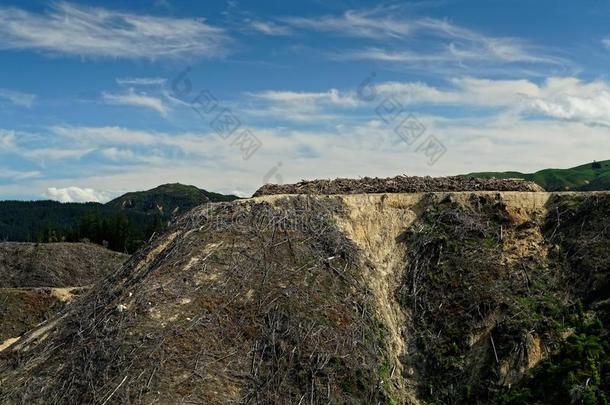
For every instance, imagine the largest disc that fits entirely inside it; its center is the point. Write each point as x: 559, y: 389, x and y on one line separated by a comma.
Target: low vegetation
x: 481, y: 304
x: 589, y: 177
x: 578, y: 371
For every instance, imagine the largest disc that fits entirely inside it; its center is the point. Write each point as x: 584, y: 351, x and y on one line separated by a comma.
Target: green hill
x: 167, y: 199
x: 589, y: 177
x: 122, y: 224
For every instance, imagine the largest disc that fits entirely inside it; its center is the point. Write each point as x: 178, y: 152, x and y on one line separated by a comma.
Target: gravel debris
x: 398, y: 184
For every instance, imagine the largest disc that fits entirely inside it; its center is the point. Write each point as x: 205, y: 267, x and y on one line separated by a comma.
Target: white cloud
x: 269, y: 28
x: 132, y: 98
x: 332, y: 96
x: 606, y: 42
x: 38, y: 147
x: 52, y: 153
x: 301, y: 106
x: 522, y: 125
x: 452, y: 43
x: 353, y: 150
x: 118, y: 154
x: 573, y: 100
x: 366, y: 24
x: 487, y: 50
x: 18, y: 98
x: 141, y: 81
x: 565, y: 98
x: 76, y: 194
x: 97, y: 32
x: 7, y: 140
x: 106, y: 136
x: 464, y: 91
x: 19, y: 175
x: 334, y: 104
x: 384, y: 55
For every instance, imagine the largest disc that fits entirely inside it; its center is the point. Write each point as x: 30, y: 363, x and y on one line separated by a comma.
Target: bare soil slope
x: 37, y: 281
x: 55, y: 264
x: 21, y: 309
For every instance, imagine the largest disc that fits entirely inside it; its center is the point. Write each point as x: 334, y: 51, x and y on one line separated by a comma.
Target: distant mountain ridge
x: 123, y: 224
x: 593, y: 176
x: 167, y: 199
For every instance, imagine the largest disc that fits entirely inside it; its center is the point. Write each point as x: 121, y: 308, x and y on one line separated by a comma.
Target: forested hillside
x: 123, y: 224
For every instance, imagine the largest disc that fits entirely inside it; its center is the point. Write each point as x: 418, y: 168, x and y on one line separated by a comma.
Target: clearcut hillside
x: 417, y: 298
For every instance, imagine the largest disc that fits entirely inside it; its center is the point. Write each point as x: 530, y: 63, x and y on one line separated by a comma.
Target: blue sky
x: 94, y: 99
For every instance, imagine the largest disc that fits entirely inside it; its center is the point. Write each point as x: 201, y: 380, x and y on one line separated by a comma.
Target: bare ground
x: 55, y: 264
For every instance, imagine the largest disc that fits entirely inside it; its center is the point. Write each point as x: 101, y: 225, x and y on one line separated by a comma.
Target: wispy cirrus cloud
x: 332, y: 96
x: 141, y: 81
x: 300, y: 107
x: 19, y: 175
x: 131, y: 98
x: 269, y: 28
x: 18, y: 98
x: 476, y: 50
x: 98, y: 32
x: 443, y: 41
x: 375, y: 24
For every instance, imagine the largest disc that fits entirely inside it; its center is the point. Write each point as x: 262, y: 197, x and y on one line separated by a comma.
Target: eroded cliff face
x: 477, y: 289
x: 461, y: 297
x: 379, y: 224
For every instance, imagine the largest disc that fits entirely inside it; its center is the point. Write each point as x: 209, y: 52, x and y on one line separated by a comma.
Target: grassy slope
x: 579, y: 178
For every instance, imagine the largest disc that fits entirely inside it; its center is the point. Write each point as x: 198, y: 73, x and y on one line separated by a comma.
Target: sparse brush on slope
x: 55, y: 264
x: 222, y: 308
x: 482, y: 306
x: 38, y: 280
x: 578, y: 371
x: 440, y: 298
